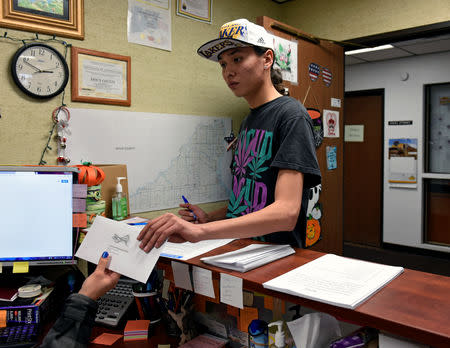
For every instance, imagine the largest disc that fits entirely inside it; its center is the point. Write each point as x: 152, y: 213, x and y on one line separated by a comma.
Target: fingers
x: 114, y: 277
x: 150, y: 235
x: 103, y: 262
x: 186, y: 215
x: 161, y: 233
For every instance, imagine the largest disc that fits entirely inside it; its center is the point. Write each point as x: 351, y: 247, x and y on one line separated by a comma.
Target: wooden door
x: 363, y: 168
x: 327, y: 55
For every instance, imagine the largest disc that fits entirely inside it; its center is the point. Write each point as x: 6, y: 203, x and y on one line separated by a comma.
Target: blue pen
x: 137, y: 223
x: 187, y: 202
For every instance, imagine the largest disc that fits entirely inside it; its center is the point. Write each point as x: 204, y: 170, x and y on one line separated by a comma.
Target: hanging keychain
x: 61, y: 116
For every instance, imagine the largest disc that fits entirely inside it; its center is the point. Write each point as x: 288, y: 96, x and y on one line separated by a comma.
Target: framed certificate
x: 99, y: 77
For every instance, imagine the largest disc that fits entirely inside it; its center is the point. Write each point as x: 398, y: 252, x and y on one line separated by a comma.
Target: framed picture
x: 99, y: 77
x: 54, y: 17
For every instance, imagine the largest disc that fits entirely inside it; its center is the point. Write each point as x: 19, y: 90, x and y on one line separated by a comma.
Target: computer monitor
x: 36, y: 215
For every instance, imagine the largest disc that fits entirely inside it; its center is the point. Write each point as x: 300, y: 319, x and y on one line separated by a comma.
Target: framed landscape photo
x: 100, y: 77
x: 54, y: 17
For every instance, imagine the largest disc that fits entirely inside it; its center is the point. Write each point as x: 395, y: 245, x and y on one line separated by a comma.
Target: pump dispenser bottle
x: 119, y: 202
x: 279, y: 335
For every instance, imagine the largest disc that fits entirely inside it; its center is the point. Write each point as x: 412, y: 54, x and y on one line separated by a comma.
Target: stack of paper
x: 250, y: 257
x: 335, y: 280
x: 136, y: 330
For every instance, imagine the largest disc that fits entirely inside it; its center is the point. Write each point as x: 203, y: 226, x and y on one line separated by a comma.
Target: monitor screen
x: 36, y: 215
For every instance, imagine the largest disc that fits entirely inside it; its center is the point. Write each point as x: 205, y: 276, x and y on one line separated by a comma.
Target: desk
x: 415, y: 305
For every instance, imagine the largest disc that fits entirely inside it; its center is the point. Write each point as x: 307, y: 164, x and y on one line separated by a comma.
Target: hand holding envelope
x: 119, y: 240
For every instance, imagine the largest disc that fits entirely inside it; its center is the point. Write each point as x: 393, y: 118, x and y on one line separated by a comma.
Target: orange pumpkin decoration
x: 312, y: 232
x: 89, y: 174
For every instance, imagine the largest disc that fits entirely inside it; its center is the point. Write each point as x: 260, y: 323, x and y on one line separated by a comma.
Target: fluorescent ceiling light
x: 363, y: 50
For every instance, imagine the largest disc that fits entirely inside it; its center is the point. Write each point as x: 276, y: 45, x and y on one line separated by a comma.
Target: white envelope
x: 119, y: 240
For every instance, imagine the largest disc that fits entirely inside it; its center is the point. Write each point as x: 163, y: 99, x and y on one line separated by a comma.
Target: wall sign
x: 400, y: 123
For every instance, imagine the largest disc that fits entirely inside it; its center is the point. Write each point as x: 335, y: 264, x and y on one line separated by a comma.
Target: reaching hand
x: 168, y: 226
x: 101, y: 280
x: 191, y: 210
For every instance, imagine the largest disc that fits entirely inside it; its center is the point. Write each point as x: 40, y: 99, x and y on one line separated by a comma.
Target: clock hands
x: 26, y: 62
x: 37, y: 69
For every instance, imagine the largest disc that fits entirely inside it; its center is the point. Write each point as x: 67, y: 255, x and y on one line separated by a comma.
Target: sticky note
x: 20, y: 267
x: 181, y: 275
x: 231, y: 290
x: 165, y: 289
x: 79, y: 220
x: 3, y: 318
x: 248, y: 298
x: 78, y: 205
x: 203, y: 282
x: 106, y: 339
x: 79, y: 190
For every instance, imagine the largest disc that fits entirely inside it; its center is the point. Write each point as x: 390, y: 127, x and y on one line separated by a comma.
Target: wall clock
x: 39, y: 70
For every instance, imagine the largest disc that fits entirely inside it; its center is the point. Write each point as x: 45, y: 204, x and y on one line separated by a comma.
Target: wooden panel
x: 363, y: 171
x: 438, y: 221
x: 331, y: 56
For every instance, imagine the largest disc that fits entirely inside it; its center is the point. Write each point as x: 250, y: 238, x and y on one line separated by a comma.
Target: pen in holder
x: 145, y: 296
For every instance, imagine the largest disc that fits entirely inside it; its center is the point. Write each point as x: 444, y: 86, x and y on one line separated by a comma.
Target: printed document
x: 335, y: 280
x: 119, y: 240
x: 250, y: 257
x: 187, y: 250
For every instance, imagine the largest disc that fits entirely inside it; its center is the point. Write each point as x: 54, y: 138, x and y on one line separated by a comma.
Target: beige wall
x: 179, y: 81
x: 349, y: 19
x: 168, y: 82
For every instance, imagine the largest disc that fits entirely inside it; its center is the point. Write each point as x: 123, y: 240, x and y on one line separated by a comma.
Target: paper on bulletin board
x: 286, y: 58
x: 403, y: 162
x: 149, y: 23
x: 331, y: 157
x: 354, y: 133
x: 331, y: 123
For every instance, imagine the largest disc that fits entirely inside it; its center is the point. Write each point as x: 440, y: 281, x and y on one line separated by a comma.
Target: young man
x: 274, y: 162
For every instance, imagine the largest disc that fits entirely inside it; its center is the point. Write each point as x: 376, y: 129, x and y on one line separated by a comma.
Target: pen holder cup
x: 148, y: 308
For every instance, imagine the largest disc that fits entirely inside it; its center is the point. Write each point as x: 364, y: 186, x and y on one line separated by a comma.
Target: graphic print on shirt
x: 252, y: 158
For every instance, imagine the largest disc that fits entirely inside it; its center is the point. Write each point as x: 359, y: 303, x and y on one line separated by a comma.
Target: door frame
x: 362, y: 93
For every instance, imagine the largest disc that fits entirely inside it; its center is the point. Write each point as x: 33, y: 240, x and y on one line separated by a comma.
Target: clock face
x: 40, y: 71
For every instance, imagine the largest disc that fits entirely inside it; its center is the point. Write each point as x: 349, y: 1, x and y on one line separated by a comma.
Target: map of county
x: 167, y: 156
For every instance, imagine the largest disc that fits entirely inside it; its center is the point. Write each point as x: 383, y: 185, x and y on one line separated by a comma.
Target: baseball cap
x: 237, y: 33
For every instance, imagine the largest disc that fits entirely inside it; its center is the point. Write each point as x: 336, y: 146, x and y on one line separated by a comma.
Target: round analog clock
x: 40, y: 70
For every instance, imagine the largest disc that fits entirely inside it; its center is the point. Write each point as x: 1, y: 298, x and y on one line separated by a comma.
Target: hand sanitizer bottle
x: 279, y: 335
x: 119, y: 202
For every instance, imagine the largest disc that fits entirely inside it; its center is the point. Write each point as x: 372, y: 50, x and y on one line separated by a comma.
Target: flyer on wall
x: 403, y: 162
x: 149, y: 23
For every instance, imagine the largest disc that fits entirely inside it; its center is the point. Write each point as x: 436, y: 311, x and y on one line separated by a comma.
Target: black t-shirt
x: 276, y: 135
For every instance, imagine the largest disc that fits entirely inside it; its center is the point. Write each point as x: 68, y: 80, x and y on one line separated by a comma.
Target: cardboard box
x: 112, y: 172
